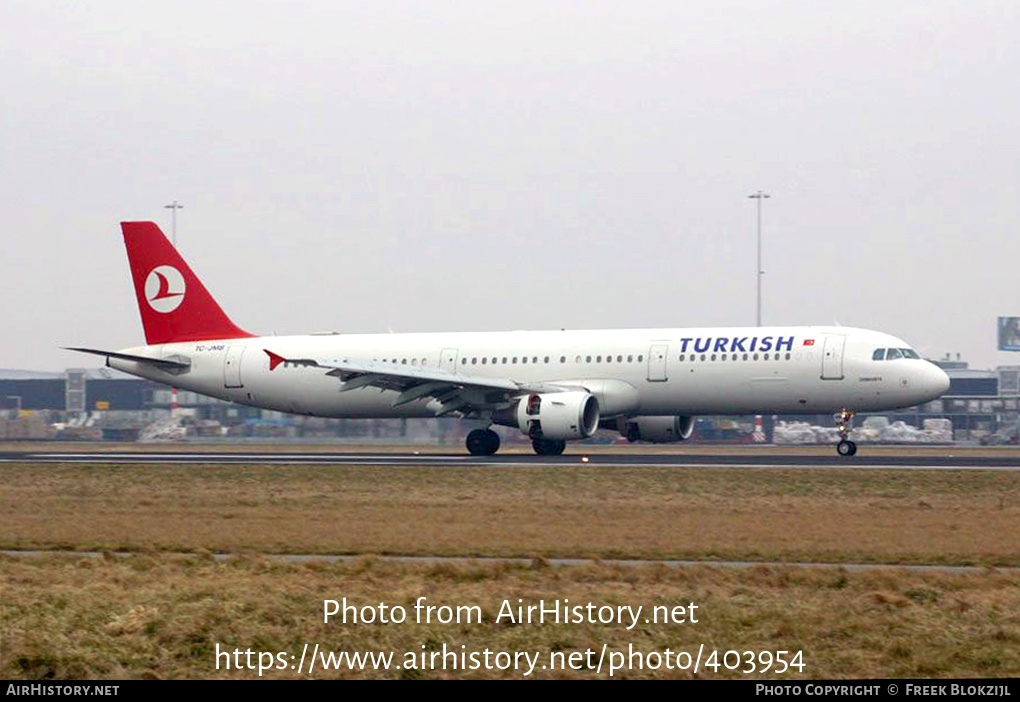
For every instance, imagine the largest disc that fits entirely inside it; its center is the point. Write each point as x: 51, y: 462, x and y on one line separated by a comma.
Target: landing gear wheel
x: 844, y: 422
x: 548, y: 447
x: 482, y: 442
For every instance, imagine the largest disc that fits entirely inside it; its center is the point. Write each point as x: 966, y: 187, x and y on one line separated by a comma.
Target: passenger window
x: 577, y: 359
x: 546, y: 359
x: 766, y: 357
x: 609, y: 359
x: 723, y: 357
x: 515, y: 360
x: 681, y: 357
x: 640, y: 358
x: 484, y: 360
x: 587, y: 359
x: 713, y: 356
x: 702, y: 357
x: 619, y: 359
x: 504, y: 360
x: 745, y: 356
x: 630, y: 359
x: 878, y: 355
x: 534, y: 359
x: 598, y: 359
x: 893, y: 353
x: 474, y: 361
x: 563, y: 359
x: 524, y: 359
x: 756, y: 357
x: 463, y: 361
x: 787, y: 357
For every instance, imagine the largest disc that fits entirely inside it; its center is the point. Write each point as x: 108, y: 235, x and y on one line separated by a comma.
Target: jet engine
x: 657, y: 430
x: 558, y: 416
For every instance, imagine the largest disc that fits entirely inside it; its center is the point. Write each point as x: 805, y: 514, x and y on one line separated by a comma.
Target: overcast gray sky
x: 429, y: 166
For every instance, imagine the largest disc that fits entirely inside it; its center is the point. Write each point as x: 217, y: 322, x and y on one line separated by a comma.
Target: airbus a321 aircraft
x: 555, y: 386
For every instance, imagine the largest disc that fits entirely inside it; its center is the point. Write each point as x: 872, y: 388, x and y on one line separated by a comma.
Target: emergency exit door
x: 448, y: 360
x: 657, y: 362
x: 832, y: 357
x: 232, y: 367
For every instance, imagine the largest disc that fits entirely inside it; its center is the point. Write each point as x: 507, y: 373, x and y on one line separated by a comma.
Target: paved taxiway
x: 918, y: 461
x: 554, y: 562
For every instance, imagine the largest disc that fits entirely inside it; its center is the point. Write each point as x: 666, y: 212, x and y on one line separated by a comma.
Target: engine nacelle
x: 558, y: 416
x: 658, y: 430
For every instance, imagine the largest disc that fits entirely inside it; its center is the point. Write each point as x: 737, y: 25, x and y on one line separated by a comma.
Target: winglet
x: 274, y: 359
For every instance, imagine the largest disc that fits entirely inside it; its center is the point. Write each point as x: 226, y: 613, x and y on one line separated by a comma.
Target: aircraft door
x: 232, y: 367
x: 657, y: 362
x: 448, y: 360
x: 832, y: 357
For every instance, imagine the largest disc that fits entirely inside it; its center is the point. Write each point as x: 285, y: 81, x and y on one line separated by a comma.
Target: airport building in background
x: 104, y: 404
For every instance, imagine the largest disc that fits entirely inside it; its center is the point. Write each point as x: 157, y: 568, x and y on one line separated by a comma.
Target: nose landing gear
x: 844, y: 421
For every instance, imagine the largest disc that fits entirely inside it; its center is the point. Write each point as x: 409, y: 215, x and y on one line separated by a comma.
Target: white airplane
x: 555, y: 386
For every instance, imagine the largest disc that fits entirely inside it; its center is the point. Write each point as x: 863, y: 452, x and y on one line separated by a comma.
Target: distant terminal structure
x: 102, y: 403
x: 978, y: 403
x: 74, y: 390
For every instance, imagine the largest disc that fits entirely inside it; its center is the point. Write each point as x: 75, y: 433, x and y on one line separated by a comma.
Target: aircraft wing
x: 455, y: 392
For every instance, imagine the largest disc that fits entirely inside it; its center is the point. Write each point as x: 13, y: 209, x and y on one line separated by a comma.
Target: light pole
x: 173, y: 207
x: 173, y: 227
x: 759, y: 196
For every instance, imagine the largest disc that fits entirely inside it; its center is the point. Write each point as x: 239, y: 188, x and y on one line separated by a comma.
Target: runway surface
x: 918, y: 461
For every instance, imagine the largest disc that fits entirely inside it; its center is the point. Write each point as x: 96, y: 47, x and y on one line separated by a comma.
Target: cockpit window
x: 893, y: 353
x: 910, y: 353
x: 878, y: 355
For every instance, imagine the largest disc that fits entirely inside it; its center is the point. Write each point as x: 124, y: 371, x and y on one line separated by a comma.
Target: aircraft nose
x: 937, y: 380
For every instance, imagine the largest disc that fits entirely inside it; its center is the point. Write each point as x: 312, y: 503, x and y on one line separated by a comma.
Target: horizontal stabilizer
x: 161, y: 363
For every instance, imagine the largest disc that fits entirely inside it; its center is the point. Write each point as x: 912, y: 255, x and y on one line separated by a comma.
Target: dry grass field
x: 156, y: 614
x: 162, y: 616
x: 830, y: 515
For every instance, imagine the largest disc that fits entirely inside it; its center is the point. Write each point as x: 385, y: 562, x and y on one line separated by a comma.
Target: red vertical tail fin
x: 174, y: 304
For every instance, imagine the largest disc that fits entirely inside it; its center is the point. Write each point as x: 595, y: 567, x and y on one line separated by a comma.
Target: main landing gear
x: 844, y: 420
x: 482, y: 442
x: 548, y: 447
